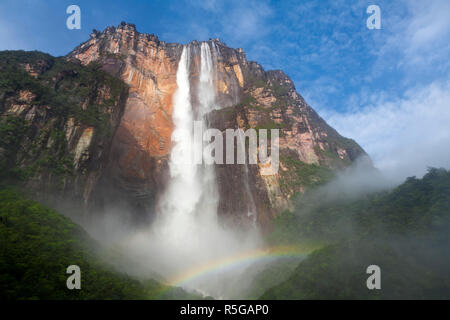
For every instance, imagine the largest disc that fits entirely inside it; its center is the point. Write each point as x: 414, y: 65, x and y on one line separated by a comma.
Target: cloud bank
x: 405, y: 126
x: 404, y: 135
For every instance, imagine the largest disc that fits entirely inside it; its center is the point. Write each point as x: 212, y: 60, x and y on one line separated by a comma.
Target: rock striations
x: 134, y: 157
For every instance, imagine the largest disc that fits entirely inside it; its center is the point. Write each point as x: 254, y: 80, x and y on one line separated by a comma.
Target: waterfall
x: 186, y: 234
x: 192, y: 188
x: 184, y: 189
x: 206, y: 95
x: 206, y: 92
x: 251, y: 206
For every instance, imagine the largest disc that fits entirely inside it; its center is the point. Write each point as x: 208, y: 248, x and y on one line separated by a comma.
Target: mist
x: 369, y: 218
x: 186, y: 245
x: 403, y: 136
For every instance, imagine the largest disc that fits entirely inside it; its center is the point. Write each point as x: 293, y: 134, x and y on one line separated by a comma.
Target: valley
x: 95, y: 172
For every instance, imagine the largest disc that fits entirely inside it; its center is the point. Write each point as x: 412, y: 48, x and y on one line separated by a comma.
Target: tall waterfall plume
x: 187, y: 234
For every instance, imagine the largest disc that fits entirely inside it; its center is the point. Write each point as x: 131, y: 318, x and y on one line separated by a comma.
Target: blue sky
x: 388, y: 89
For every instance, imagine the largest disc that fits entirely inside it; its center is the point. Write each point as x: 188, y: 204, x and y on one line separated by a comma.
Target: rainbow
x: 238, y: 259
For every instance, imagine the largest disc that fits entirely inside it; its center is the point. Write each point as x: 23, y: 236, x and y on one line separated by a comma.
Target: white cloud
x: 239, y: 23
x: 431, y: 23
x: 405, y: 135
x: 247, y: 21
x: 421, y: 37
x: 407, y: 127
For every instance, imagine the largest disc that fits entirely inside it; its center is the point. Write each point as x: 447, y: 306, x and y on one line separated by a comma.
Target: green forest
x: 38, y: 244
x: 404, y: 231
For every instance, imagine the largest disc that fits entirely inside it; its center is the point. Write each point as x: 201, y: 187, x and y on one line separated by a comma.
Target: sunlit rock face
x: 247, y: 97
x: 60, y: 120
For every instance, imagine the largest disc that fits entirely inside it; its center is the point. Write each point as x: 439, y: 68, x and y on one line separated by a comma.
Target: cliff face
x: 138, y: 167
x: 143, y: 140
x: 249, y: 97
x: 57, y: 123
x: 107, y: 144
x: 310, y: 150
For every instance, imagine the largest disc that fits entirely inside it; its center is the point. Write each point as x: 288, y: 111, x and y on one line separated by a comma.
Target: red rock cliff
x: 250, y: 98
